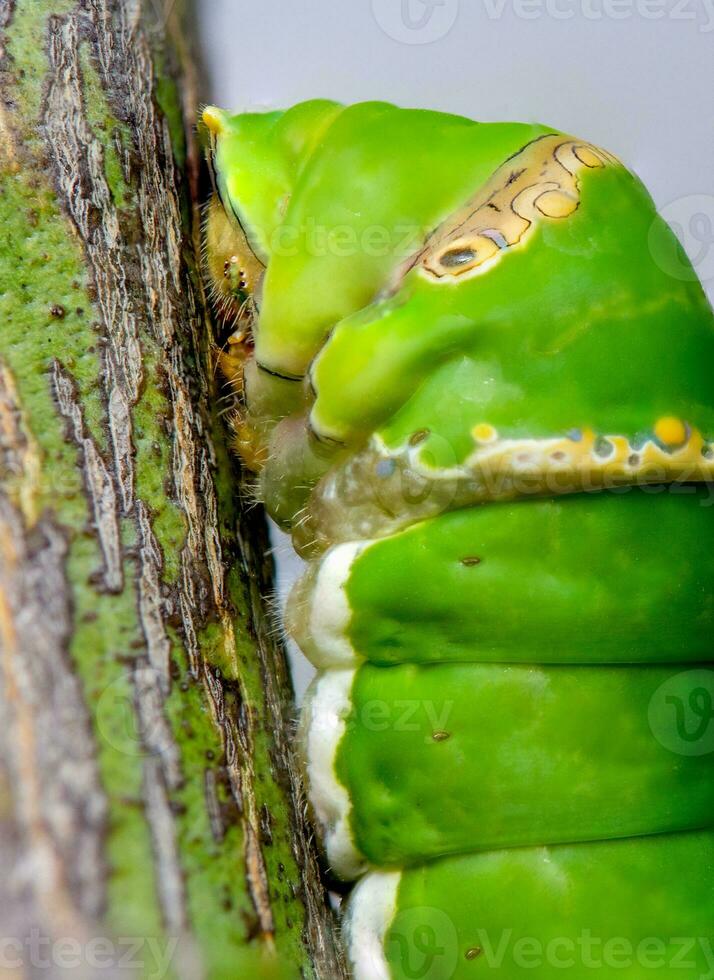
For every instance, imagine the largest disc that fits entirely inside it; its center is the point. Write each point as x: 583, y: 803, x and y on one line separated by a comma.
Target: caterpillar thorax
x: 473, y: 391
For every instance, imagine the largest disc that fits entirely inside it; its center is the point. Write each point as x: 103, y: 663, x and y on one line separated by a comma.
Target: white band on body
x: 327, y: 706
x: 370, y: 913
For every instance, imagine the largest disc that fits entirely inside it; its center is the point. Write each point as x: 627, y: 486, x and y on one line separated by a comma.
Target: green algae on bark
x: 144, y: 760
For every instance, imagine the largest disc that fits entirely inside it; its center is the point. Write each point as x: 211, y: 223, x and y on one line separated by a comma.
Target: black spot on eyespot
x: 457, y: 257
x: 633, y: 459
x: 603, y: 448
x: 57, y: 311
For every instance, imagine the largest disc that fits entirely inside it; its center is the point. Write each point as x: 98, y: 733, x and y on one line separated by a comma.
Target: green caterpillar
x: 474, y: 394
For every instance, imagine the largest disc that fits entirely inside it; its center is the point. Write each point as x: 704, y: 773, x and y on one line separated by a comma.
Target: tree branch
x: 147, y: 787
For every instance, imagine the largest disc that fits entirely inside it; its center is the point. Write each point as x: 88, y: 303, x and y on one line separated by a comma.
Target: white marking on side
x: 327, y: 706
x: 330, y: 612
x: 370, y: 913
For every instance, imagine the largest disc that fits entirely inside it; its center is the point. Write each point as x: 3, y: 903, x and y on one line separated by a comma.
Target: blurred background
x: 635, y: 76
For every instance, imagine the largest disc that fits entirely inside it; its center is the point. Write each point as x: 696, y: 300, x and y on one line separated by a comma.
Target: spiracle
x: 485, y: 414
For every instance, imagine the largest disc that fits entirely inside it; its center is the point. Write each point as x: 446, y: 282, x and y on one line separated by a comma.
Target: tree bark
x: 150, y: 809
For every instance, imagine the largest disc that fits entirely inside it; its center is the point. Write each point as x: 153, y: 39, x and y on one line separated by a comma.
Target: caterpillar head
x: 234, y: 274
x: 254, y: 159
x: 233, y: 269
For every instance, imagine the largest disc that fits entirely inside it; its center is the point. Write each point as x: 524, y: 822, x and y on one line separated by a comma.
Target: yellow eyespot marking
x: 485, y: 433
x: 214, y: 119
x: 541, y: 181
x: 556, y: 204
x: 587, y: 157
x: 671, y: 431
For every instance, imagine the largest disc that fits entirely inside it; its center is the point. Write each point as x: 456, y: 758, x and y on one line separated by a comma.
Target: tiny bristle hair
x: 250, y: 492
x: 303, y: 601
x: 202, y: 106
x: 273, y: 602
x: 292, y: 724
x: 274, y: 605
x: 301, y: 517
x: 227, y: 401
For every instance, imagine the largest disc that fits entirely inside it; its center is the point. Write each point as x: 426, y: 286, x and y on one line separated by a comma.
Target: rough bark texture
x: 150, y: 814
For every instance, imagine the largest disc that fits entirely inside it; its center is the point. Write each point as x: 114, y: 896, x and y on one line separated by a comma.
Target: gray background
x: 635, y: 76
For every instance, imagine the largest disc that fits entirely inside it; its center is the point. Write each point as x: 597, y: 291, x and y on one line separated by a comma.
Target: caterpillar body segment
x: 388, y: 491
x: 457, y: 758
x: 577, y: 578
x: 632, y: 909
x: 484, y: 410
x: 573, y: 311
